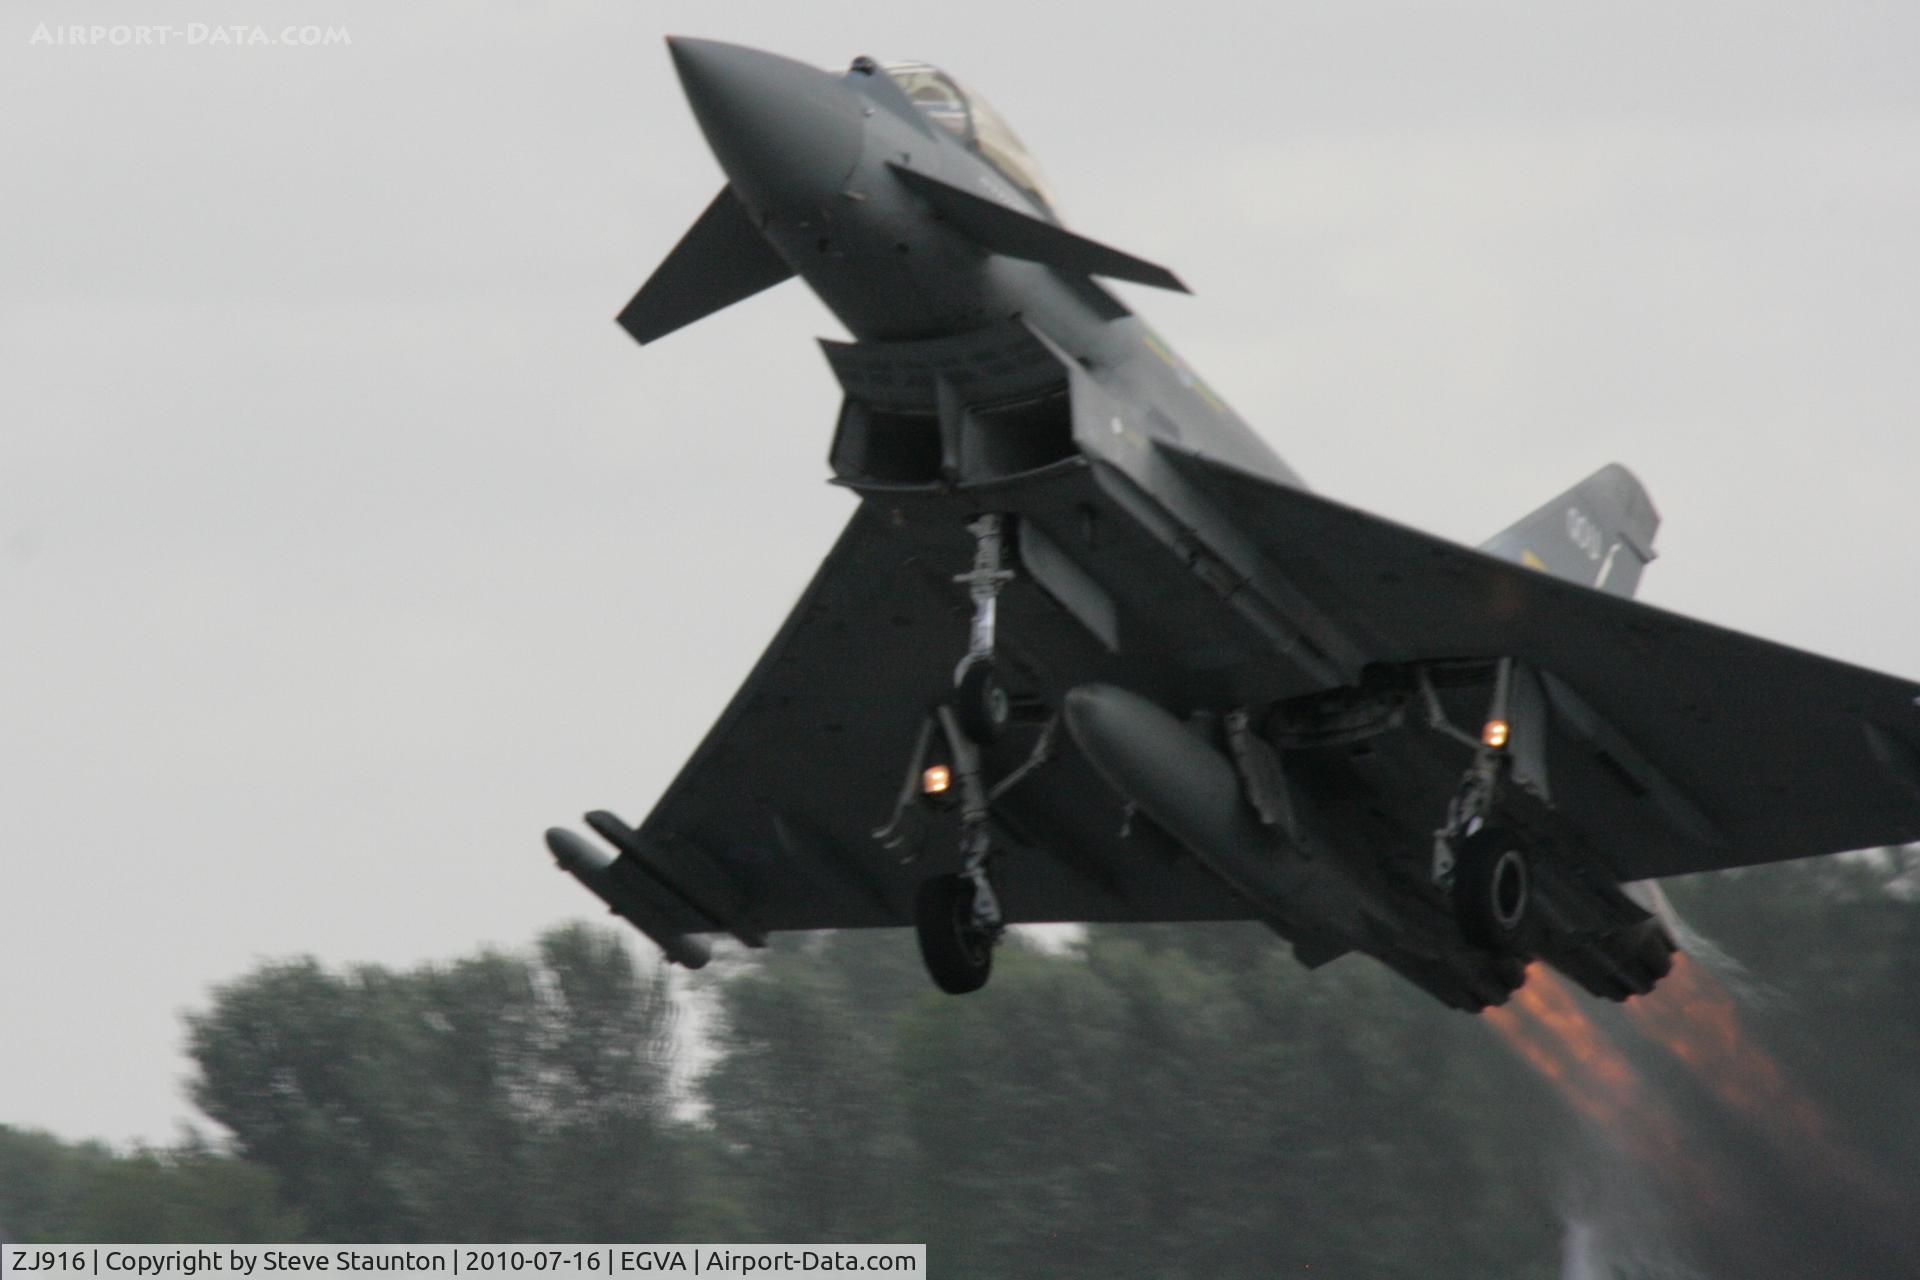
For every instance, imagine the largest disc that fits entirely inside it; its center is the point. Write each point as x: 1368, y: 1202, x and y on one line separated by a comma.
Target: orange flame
x: 1693, y: 1017
x: 1548, y: 1028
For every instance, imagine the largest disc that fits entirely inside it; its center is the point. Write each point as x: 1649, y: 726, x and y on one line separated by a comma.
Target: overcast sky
x: 346, y: 543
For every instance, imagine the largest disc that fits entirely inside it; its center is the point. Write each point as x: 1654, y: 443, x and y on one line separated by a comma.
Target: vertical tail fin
x: 1598, y: 533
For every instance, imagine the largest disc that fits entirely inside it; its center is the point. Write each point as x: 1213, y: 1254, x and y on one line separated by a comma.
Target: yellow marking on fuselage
x: 1533, y: 561
x: 1188, y: 378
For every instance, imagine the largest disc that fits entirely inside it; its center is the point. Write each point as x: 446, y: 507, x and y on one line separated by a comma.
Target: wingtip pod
x: 593, y: 868
x: 575, y: 856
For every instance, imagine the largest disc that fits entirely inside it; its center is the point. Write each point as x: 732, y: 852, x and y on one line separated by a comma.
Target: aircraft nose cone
x: 786, y: 133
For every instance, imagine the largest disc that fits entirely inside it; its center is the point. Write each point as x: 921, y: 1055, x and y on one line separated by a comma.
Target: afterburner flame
x: 1547, y: 1027
x: 1766, y: 1207
x: 1694, y: 1018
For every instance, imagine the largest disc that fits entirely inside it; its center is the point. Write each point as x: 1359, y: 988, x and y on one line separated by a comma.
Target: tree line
x: 1164, y: 1101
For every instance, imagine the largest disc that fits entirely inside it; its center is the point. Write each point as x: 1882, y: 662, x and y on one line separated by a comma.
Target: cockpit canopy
x: 966, y: 115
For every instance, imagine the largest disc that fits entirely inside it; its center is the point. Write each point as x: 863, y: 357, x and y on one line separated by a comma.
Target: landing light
x: 936, y: 780
x: 1494, y: 734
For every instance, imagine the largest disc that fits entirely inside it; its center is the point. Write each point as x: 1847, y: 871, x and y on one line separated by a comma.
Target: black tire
x: 1493, y: 889
x: 958, y: 955
x: 981, y: 702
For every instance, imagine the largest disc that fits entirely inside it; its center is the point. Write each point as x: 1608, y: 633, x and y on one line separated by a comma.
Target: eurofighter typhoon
x: 1089, y: 651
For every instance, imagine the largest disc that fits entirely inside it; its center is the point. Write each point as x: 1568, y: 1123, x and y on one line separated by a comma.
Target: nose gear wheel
x: 957, y: 950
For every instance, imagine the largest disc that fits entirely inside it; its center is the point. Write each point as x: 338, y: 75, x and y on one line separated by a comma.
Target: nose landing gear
x: 981, y: 701
x: 979, y: 697
x: 958, y: 917
x: 958, y: 921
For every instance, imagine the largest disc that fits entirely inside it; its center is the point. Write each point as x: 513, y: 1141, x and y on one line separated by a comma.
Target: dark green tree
x: 52, y: 1191
x: 1168, y: 1101
x: 805, y: 1098
x: 1187, y: 1101
x: 501, y: 1097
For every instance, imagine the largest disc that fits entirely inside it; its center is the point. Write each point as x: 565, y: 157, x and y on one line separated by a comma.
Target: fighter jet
x: 1088, y: 650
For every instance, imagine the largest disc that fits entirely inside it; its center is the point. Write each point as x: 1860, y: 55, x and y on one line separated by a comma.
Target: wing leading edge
x: 776, y: 802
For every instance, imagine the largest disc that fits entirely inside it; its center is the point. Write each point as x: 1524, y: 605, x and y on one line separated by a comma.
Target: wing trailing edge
x: 1691, y: 747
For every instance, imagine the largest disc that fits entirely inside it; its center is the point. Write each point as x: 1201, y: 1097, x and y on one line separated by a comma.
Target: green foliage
x: 1142, y: 1108
x: 1832, y: 947
x: 498, y: 1098
x: 806, y: 1103
x: 1172, y: 1101
x: 55, y: 1192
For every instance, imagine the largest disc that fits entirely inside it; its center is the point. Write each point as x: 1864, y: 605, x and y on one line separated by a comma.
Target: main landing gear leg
x: 1486, y: 867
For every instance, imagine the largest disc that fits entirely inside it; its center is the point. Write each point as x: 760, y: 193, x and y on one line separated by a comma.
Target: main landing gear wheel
x: 1492, y: 889
x: 981, y: 702
x: 958, y: 952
